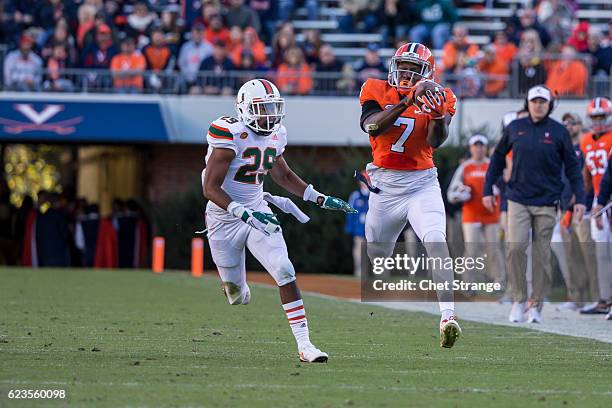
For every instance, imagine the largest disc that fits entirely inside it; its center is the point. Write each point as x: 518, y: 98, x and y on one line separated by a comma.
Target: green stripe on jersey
x: 215, y: 131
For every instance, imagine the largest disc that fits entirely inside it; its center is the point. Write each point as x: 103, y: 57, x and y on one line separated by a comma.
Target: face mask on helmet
x: 600, y: 123
x: 405, y: 72
x: 262, y: 115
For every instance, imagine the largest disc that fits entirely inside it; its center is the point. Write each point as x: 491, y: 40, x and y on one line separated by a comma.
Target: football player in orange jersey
x: 596, y: 147
x: 403, y: 133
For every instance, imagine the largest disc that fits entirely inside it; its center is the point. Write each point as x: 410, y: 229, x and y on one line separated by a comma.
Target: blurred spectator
x: 22, y: 67
x: 140, y: 22
x: 7, y: 226
x: 102, y: 52
x: 396, y: 18
x: 287, y: 7
x: 569, y: 75
x: 58, y: 80
x: 251, y: 69
x: 86, y: 234
x: 215, y: 79
x: 90, y: 36
x: 60, y: 36
x: 601, y: 54
x: 209, y: 8
x: 9, y: 29
x: 371, y: 66
x: 527, y: 21
x: 252, y: 44
x: 433, y: 20
x: 311, y: 45
x: 52, y: 234
x: 365, y: 11
x: 267, y: 12
x: 347, y: 84
x: 285, y: 39
x: 193, y: 52
x: 127, y: 68
x: 458, y: 50
x: 235, y: 34
x: 328, y: 64
x: 242, y: 16
x: 354, y: 224
x: 47, y: 13
x: 556, y: 16
x: 504, y: 49
x: 496, y: 70
x: 216, y: 31
x: 580, y: 37
x: 157, y: 54
x: 172, y: 29
x: 531, y: 68
x: 293, y: 75
x: 87, y: 16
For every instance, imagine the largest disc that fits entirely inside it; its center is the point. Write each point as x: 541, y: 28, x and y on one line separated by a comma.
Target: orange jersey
x: 474, y: 177
x: 403, y: 146
x: 596, y: 155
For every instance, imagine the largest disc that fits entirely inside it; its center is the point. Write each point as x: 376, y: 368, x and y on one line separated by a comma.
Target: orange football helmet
x: 599, y: 115
x: 417, y: 54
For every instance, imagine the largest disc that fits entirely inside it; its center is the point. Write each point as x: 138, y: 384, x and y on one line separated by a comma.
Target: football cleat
x: 596, y: 308
x: 517, y: 314
x: 234, y: 294
x: 609, y: 315
x: 449, y: 332
x: 535, y: 316
x: 311, y: 354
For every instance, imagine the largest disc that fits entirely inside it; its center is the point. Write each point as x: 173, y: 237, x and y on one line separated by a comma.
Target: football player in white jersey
x: 241, y: 151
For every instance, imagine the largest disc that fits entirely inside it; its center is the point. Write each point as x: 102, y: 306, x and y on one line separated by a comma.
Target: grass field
x: 131, y: 338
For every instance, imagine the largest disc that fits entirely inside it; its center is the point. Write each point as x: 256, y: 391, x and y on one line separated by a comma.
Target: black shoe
x: 596, y: 308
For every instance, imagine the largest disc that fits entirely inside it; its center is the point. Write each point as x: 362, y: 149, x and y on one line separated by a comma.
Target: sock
x: 297, y: 321
x: 446, y: 312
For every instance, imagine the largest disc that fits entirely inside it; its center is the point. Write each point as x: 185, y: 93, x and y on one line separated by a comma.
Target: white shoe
x: 449, y: 332
x: 311, y: 354
x: 535, y: 315
x: 571, y: 306
x: 517, y: 314
x: 609, y: 315
x: 235, y: 294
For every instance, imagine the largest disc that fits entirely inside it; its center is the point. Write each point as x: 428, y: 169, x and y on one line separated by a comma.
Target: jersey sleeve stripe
x: 220, y: 137
x: 220, y: 128
x: 220, y: 132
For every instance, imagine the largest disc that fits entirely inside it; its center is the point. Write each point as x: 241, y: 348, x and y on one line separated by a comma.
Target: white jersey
x: 255, y: 156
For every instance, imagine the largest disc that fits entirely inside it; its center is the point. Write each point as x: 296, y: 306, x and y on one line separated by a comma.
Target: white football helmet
x: 260, y: 99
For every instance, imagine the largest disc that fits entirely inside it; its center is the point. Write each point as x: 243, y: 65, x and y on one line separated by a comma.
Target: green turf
x: 172, y: 340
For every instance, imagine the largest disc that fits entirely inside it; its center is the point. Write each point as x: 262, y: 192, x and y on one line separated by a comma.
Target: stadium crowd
x: 170, y: 46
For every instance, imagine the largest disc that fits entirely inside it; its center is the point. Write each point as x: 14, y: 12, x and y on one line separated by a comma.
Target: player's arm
x: 216, y: 170
x: 375, y: 120
x: 286, y: 178
x: 437, y: 132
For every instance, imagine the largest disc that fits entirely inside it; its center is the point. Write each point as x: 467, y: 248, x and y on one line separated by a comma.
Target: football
x: 421, y: 89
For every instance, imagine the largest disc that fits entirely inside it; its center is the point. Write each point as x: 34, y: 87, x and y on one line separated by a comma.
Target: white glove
x: 264, y: 222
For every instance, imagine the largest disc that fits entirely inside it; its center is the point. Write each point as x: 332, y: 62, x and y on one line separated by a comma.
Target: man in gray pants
x: 541, y: 147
